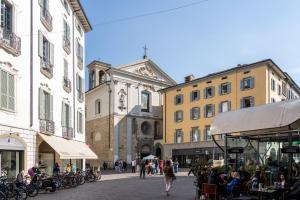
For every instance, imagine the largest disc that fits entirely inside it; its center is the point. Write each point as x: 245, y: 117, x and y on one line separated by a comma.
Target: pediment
x: 148, y: 69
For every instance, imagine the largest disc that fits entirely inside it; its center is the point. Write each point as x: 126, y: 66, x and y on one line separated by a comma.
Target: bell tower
x: 97, y: 73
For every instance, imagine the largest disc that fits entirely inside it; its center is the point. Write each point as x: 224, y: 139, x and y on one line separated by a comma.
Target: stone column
x: 129, y: 140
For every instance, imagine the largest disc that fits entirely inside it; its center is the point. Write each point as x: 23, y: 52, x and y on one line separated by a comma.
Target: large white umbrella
x: 150, y: 157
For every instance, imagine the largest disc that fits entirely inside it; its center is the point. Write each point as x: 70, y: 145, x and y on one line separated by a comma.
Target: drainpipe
x: 109, y: 111
x: 31, y: 64
x: 74, y: 77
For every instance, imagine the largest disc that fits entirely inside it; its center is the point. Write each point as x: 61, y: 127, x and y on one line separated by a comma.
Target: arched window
x: 101, y: 77
x: 145, y: 101
x: 97, y: 106
x: 92, y: 80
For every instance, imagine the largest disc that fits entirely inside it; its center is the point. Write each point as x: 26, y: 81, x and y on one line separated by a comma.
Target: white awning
x: 69, y: 149
x: 280, y: 116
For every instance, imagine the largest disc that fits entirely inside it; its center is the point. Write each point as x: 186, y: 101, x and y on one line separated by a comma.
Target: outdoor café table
x: 280, y: 191
x: 264, y: 192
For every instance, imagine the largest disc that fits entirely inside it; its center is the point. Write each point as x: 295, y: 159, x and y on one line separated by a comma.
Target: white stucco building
x: 124, y: 109
x: 42, y: 83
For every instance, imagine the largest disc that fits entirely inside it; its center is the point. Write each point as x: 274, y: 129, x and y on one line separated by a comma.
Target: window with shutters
x: 45, y: 105
x: 6, y: 18
x: 206, y: 134
x: 178, y: 99
x: 46, y: 53
x: 209, y: 92
x: 224, y: 88
x: 7, y: 88
x: 97, y: 106
x: 247, y: 83
x: 79, y: 54
x: 66, y: 6
x: 79, y: 122
x: 79, y: 87
x: 195, y: 95
x: 247, y: 102
x: 66, y: 81
x: 66, y: 38
x: 45, y: 17
x: 224, y: 106
x: 279, y: 89
x: 195, y: 134
x: 66, y: 120
x: 209, y: 110
x: 178, y: 116
x: 273, y: 84
x: 195, y: 113
x: 178, y: 136
x: 78, y: 27
x: 284, y: 89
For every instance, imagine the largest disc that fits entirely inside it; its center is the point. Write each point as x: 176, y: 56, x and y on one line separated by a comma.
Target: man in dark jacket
x: 295, y: 191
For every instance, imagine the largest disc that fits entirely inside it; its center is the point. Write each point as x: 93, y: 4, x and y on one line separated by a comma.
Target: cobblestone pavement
x: 127, y: 187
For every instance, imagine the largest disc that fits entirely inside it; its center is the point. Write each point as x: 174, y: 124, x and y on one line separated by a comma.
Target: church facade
x: 124, y: 110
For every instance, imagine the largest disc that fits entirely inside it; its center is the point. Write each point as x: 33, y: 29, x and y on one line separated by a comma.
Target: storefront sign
x: 290, y: 149
x: 236, y: 150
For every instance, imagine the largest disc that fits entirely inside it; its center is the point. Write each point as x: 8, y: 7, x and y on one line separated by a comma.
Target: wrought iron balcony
x: 80, y: 96
x: 79, y: 62
x: 46, y: 18
x: 66, y: 44
x: 46, y: 68
x: 47, y: 126
x: 10, y: 41
x: 68, y: 133
x: 67, y: 85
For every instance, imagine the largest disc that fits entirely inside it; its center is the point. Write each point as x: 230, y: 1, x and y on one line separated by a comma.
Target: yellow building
x: 189, y: 107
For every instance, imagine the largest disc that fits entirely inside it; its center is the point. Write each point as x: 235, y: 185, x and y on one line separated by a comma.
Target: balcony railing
x: 67, y: 132
x: 47, y: 126
x: 80, y: 96
x: 46, y: 68
x: 67, y: 84
x: 10, y: 41
x: 46, y: 18
x: 66, y: 44
x: 79, y: 62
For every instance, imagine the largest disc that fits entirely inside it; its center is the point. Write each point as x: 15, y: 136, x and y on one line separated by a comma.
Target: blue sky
x: 202, y: 39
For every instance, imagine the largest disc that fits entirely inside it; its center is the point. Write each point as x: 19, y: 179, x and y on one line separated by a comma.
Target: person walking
x: 143, y: 169
x: 104, y: 165
x: 56, y: 169
x: 133, y: 164
x: 176, y: 163
x: 169, y: 176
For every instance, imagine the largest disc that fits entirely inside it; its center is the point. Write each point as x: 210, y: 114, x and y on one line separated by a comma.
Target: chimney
x: 188, y: 78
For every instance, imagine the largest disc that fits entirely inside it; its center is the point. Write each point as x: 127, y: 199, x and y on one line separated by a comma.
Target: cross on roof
x: 145, y: 51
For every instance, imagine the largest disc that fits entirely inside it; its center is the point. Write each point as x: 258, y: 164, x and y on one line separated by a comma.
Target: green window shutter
x: 4, y: 93
x: 42, y: 114
x: 204, y: 111
x: 51, y: 56
x: 205, y: 134
x: 191, y: 96
x: 191, y: 135
x: 213, y: 91
x: 77, y: 82
x: 63, y: 115
x: 213, y: 109
x: 51, y: 107
x: 242, y: 103
x: 41, y: 37
x: 198, y: 135
x: 175, y: 136
x: 11, y: 92
x: 220, y: 89
x: 229, y: 105
x: 191, y: 113
x: 229, y: 88
x: 65, y: 68
x: 77, y: 48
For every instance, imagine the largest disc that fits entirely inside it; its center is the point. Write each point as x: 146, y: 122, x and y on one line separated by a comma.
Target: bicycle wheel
x: 32, y: 191
x: 21, y: 194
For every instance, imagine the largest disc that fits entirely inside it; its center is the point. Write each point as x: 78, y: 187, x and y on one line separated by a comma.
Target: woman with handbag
x: 169, y: 176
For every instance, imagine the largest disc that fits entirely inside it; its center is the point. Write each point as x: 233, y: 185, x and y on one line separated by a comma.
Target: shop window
x: 178, y: 99
x: 195, y: 113
x: 178, y: 116
x: 209, y: 110
x: 209, y: 92
x: 247, y: 102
